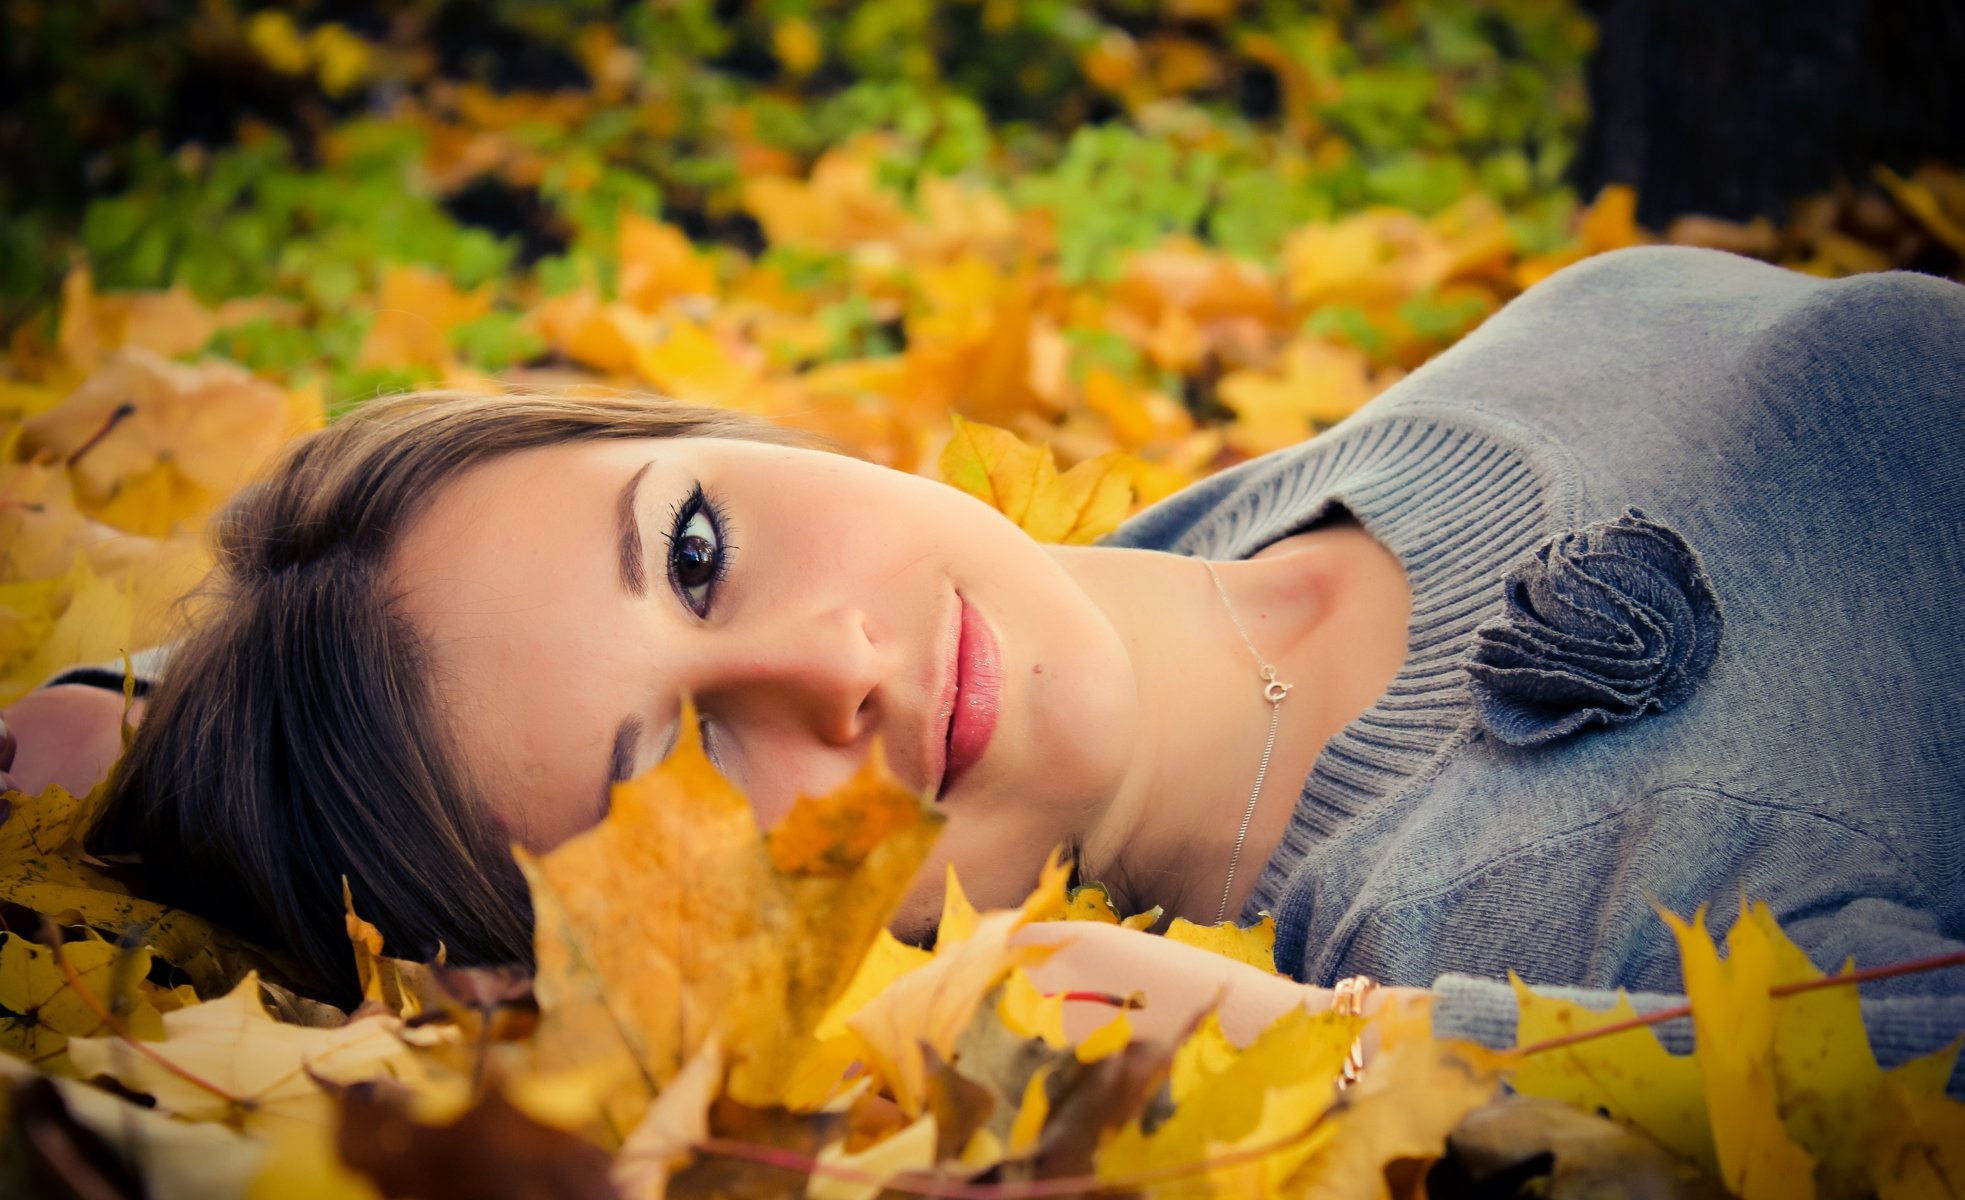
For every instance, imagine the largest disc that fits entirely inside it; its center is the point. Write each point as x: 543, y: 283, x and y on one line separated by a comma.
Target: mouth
x: 971, y: 701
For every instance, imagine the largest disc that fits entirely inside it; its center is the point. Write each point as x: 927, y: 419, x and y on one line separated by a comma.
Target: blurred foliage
x: 1191, y: 230
x: 246, y: 149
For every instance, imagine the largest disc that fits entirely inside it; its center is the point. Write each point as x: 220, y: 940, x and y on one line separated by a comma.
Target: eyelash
x: 699, y: 502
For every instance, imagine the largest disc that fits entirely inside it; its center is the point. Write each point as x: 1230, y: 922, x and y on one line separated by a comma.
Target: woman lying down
x: 1647, y: 591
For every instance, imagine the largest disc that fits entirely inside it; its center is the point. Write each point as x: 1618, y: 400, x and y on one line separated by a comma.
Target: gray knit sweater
x: 1685, y: 535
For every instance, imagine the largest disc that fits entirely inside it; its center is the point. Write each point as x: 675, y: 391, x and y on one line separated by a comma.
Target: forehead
x: 507, y: 576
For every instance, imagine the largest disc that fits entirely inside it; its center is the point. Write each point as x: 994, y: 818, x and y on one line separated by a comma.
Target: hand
x: 1179, y: 982
x: 68, y: 735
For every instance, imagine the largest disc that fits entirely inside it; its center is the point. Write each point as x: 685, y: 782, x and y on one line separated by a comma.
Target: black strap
x: 100, y: 677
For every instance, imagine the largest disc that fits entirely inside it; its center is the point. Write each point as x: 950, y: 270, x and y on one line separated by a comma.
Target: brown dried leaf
x: 494, y: 1151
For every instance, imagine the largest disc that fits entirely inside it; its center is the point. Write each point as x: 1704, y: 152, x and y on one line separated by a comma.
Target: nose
x: 819, y: 670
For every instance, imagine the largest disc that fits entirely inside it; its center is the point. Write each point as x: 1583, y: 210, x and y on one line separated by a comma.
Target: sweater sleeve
x: 147, y: 665
x: 1900, y: 1027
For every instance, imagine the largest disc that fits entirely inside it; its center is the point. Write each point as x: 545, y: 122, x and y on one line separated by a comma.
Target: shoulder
x: 1675, y: 304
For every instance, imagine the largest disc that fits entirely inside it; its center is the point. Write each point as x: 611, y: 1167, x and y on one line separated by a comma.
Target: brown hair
x: 295, y: 739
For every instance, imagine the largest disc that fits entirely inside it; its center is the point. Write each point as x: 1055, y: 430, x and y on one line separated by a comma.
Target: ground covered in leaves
x: 1067, y: 256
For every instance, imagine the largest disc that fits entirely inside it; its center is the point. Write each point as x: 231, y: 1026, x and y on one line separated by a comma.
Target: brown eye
x: 695, y: 561
x: 696, y: 556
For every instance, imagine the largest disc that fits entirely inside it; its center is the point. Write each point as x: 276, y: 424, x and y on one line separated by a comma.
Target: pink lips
x: 978, y: 697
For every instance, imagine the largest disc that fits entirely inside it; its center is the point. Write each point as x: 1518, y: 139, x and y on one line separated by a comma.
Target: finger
x: 1049, y: 933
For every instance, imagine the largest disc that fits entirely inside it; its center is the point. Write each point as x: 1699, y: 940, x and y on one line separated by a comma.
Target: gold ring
x: 1348, y: 997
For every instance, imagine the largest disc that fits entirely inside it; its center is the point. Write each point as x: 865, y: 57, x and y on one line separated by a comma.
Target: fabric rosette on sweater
x: 1602, y: 625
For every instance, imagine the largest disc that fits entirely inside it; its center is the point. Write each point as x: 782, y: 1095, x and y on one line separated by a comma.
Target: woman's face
x: 809, y: 602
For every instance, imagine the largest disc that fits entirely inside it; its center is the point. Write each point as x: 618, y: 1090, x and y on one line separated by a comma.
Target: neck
x: 1322, y: 608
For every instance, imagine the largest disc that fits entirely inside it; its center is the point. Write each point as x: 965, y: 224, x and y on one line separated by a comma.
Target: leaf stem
x: 94, y: 1004
x: 1935, y: 962
x: 1107, y: 998
x: 121, y: 413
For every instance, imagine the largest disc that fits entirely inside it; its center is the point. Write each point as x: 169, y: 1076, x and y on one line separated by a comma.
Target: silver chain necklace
x: 1275, y: 691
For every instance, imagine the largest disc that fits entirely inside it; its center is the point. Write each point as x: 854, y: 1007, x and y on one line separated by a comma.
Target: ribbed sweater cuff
x: 1483, y: 1010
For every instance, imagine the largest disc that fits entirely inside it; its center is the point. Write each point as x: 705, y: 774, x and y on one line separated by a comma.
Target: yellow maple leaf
x: 931, y: 1005
x: 912, y: 1148
x: 1022, y: 482
x: 691, y: 362
x: 177, y: 1161
x: 1828, y: 1082
x: 1734, y: 1020
x: 46, y: 823
x: 256, y: 1074
x: 797, y: 46
x: 157, y: 503
x: 958, y: 219
x: 825, y: 1071
x: 40, y: 525
x: 1228, y: 1099
x: 840, y: 206
x: 1105, y: 1041
x: 415, y: 310
x: 1919, y: 198
x: 76, y: 893
x: 1027, y: 1127
x: 1609, y: 223
x: 56, y: 623
x: 658, y: 263
x: 40, y: 1010
x: 303, y: 1162
x: 1137, y: 416
x: 595, y: 334
x: 1374, y: 258
x: 1919, y: 1147
x: 1252, y: 944
x: 969, y: 339
x: 381, y: 977
x: 1205, y: 1053
x: 42, y: 529
x: 1411, y: 1095
x: 1091, y: 902
x: 1028, y: 1012
x: 278, y: 41
x: 669, y: 924
x: 1629, y: 1077
x: 214, y: 422
x: 169, y: 323
x: 887, y: 960
x: 675, y: 1122
x: 1321, y: 383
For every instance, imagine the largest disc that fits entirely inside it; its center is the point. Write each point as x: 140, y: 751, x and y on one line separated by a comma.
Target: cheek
x: 1073, y: 701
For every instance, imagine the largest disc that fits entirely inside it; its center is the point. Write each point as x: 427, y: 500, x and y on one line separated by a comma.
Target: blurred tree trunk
x: 1735, y: 107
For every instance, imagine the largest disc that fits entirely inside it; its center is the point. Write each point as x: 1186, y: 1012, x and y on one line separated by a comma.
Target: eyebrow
x: 620, y: 761
x: 634, y: 574
x: 634, y: 577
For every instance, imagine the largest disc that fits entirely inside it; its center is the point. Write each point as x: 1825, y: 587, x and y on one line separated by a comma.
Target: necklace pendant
x: 1274, y: 690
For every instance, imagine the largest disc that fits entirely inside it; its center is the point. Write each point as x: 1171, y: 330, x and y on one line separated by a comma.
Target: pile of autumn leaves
x: 737, y: 1022
x: 719, y: 1011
